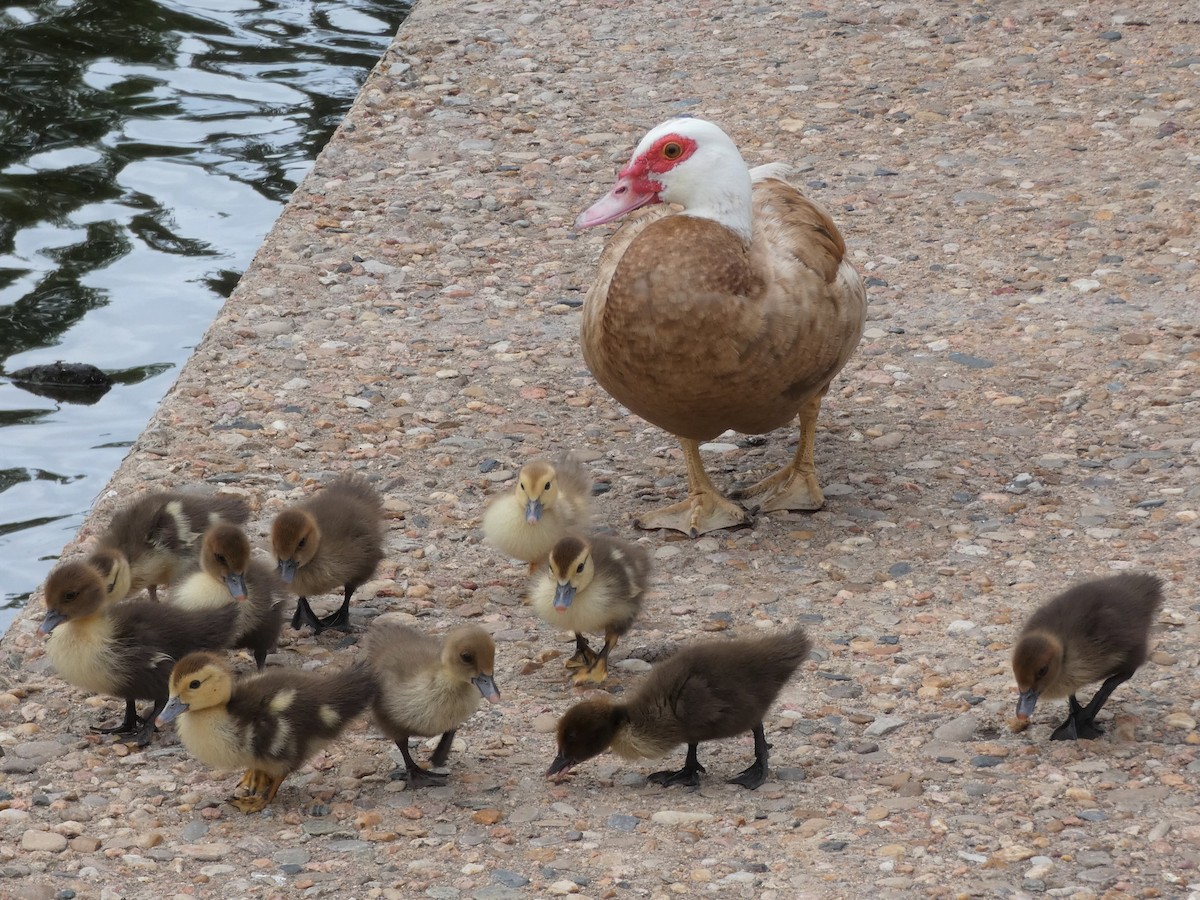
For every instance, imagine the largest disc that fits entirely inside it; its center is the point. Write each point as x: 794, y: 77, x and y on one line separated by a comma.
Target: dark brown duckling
x: 428, y: 686
x: 123, y: 649
x: 592, y: 584
x: 705, y: 692
x: 269, y: 724
x: 153, y: 539
x: 332, y: 540
x: 229, y: 571
x: 1095, y: 631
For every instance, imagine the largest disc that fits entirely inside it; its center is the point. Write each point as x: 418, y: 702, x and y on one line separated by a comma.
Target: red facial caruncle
x: 664, y: 154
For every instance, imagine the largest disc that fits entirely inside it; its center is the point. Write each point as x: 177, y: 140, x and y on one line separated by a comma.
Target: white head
x: 690, y: 162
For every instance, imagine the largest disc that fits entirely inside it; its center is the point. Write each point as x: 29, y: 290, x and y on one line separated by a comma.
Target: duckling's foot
x: 596, y: 673
x: 255, y: 781
x: 1077, y: 729
x: 698, y: 514
x: 585, y: 657
x: 304, y: 615
x: 756, y: 773
x: 253, y: 803
x: 689, y: 775
x: 789, y: 488
x: 418, y: 777
x: 339, y: 620
x: 131, y: 724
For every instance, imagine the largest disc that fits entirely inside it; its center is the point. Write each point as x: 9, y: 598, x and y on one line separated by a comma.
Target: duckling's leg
x: 129, y: 725
x: 413, y: 773
x: 340, y: 619
x: 704, y: 510
x: 1080, y: 722
x: 689, y: 775
x: 441, y: 752
x: 264, y: 786
x: 598, y: 670
x: 145, y: 734
x: 756, y: 773
x: 584, y: 656
x: 795, y: 486
x: 304, y: 615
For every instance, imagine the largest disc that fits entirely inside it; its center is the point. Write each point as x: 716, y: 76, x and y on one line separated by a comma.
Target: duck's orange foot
x: 255, y: 781
x: 698, y: 514
x: 584, y: 658
x: 788, y: 488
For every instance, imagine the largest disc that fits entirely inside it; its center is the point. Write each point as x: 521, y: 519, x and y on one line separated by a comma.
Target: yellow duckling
x: 593, y: 584
x: 269, y: 724
x: 549, y: 501
x: 123, y: 649
x: 227, y: 570
x: 334, y: 539
x: 154, y: 539
x: 428, y: 686
x: 705, y: 692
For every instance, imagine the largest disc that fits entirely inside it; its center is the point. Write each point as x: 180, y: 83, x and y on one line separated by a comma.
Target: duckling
x: 593, y: 584
x: 151, y: 540
x: 428, y: 686
x: 1098, y: 630
x: 269, y: 723
x: 704, y: 692
x: 334, y: 539
x: 124, y: 649
x: 548, y: 501
x: 228, y: 570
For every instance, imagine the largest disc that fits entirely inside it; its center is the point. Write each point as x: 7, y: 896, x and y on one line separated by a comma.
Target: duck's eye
x: 547, y: 487
x: 672, y: 150
x: 194, y: 684
x: 70, y: 595
x: 221, y: 559
x: 303, y: 541
x: 579, y: 568
x: 466, y: 657
x: 1041, y: 673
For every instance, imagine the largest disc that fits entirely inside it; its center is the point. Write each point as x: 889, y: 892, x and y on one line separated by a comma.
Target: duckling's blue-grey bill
x: 1026, y: 703
x: 174, y: 707
x: 487, y: 687
x: 564, y: 593
x: 53, y: 620
x: 237, y: 586
x: 533, y: 512
x: 287, y: 570
x: 560, y: 766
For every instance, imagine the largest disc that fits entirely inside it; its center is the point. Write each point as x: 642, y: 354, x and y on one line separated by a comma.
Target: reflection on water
x: 145, y: 150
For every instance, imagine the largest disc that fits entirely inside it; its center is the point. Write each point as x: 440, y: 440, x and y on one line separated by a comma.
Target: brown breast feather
x: 697, y: 333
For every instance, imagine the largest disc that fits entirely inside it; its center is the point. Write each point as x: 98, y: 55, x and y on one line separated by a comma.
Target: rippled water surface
x: 146, y: 148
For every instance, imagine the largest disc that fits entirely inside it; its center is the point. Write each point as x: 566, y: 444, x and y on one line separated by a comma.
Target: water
x: 146, y: 148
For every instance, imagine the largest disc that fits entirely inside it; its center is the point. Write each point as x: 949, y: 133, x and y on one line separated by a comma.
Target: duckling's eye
x: 547, y: 487
x: 221, y: 559
x: 194, y: 684
x: 303, y: 541
x: 466, y: 657
x: 70, y: 595
x: 1041, y: 673
x: 579, y: 568
x: 672, y: 150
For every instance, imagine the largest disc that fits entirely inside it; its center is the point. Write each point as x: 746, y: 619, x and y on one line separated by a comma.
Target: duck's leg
x: 304, y: 615
x: 129, y: 725
x: 756, y: 773
x: 598, y: 670
x: 795, y: 486
x: 704, y: 510
x: 264, y: 785
x: 584, y: 654
x: 441, y: 752
x: 1076, y: 725
x: 145, y: 733
x: 689, y: 775
x: 1083, y: 717
x: 413, y: 773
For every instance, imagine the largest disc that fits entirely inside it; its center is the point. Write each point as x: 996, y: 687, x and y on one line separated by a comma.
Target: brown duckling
x: 593, y: 584
x: 704, y: 692
x: 269, y: 723
x: 549, y: 501
x: 227, y: 570
x: 334, y: 539
x: 1095, y: 631
x: 123, y: 649
x: 428, y: 686
x: 153, y: 539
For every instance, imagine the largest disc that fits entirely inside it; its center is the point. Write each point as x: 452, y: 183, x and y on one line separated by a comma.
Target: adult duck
x: 735, y: 312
